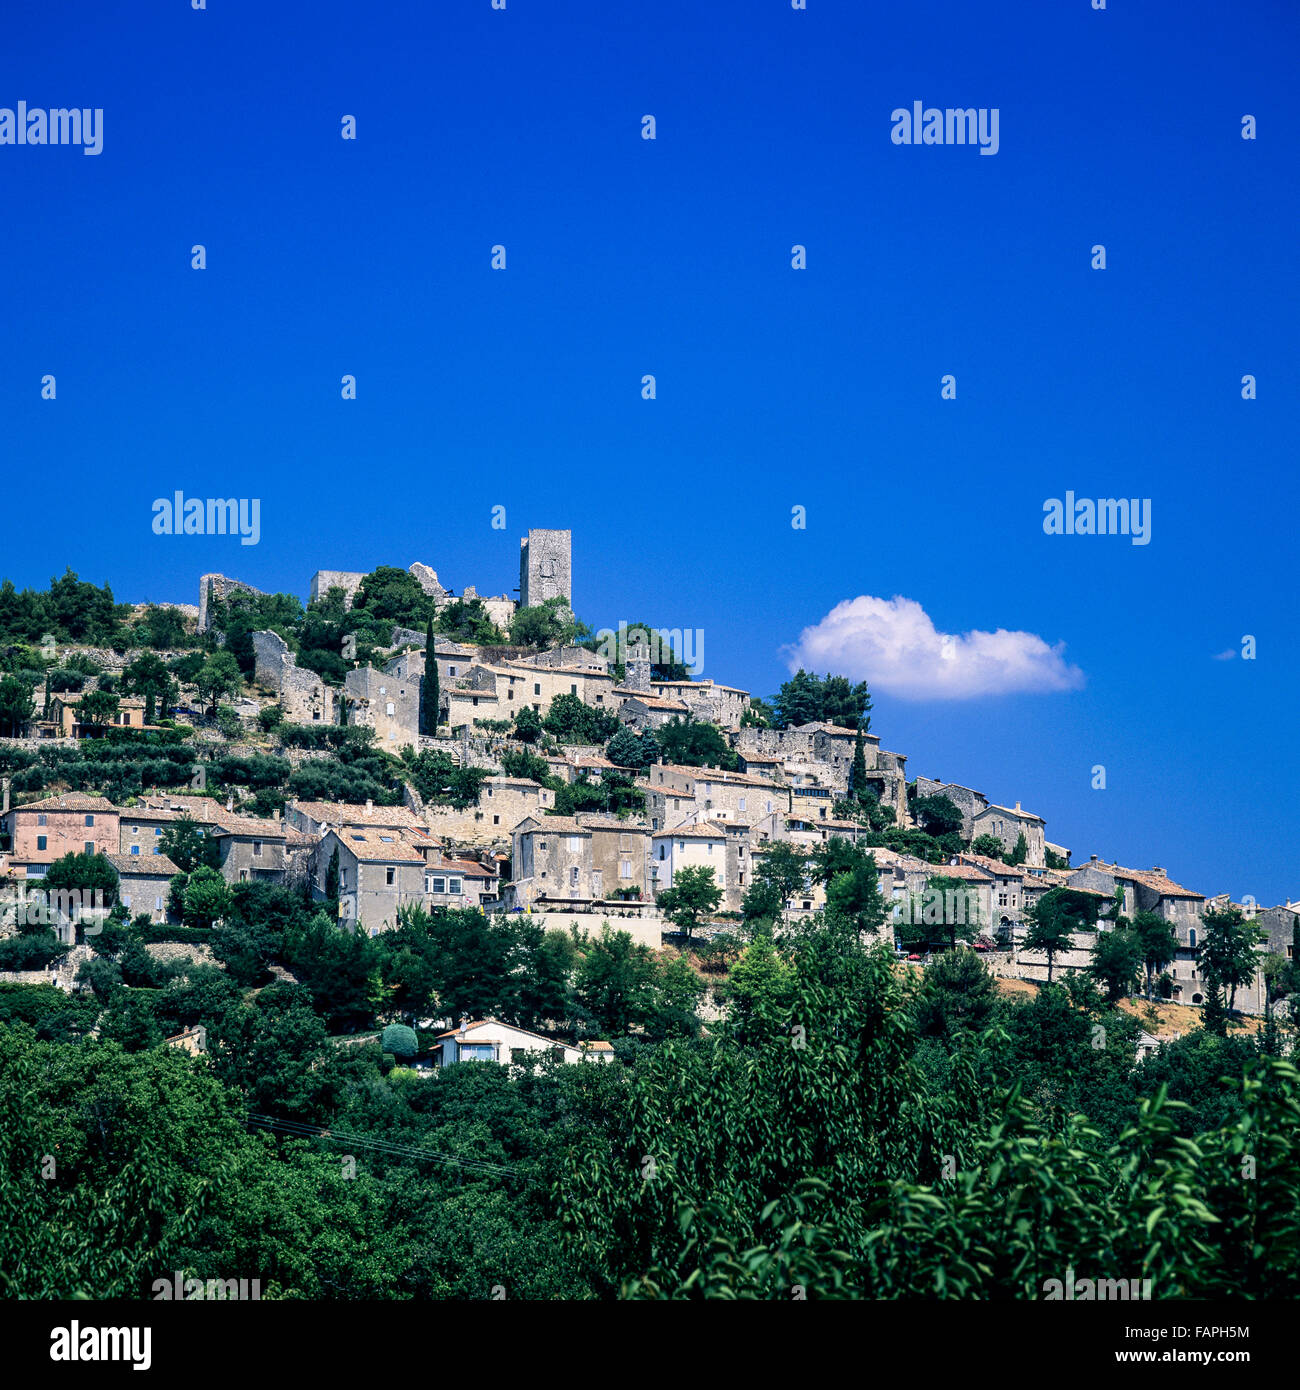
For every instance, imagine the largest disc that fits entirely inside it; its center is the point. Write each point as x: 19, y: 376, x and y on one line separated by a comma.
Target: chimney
x: 1017, y: 805
x: 1156, y: 869
x: 464, y: 1022
x: 370, y: 805
x: 1094, y: 858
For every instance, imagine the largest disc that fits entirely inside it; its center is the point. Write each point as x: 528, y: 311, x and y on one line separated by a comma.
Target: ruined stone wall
x: 222, y: 587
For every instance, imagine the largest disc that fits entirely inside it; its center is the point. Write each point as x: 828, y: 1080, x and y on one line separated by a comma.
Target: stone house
x: 588, y: 859
x: 642, y: 712
x: 1007, y: 903
x: 502, y: 803
x: 455, y: 882
x: 1006, y: 824
x: 71, y: 823
x: 250, y: 849
x: 380, y: 872
x: 65, y: 716
x: 144, y: 882
x: 388, y: 704
x: 709, y: 701
x: 966, y: 799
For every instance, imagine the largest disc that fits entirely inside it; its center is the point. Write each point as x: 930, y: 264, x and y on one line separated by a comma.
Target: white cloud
x: 894, y: 646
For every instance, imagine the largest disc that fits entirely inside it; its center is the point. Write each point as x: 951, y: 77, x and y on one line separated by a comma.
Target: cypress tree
x: 858, y: 774
x: 430, y: 695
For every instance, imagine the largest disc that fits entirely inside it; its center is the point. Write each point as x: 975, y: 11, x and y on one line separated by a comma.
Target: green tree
x: 1021, y: 852
x: 332, y: 876
x: 987, y: 845
x: 148, y: 676
x: 1055, y: 918
x: 1227, y: 951
x: 16, y: 707
x: 188, y: 847
x: 694, y: 894
x: 1117, y: 961
x: 694, y: 743
x: 1157, y: 943
x: 400, y: 1040
x: 430, y: 696
x: 206, y: 897
x: 219, y: 676
x: 97, y: 707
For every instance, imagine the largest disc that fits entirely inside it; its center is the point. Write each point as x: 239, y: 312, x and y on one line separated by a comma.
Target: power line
x: 297, y: 1129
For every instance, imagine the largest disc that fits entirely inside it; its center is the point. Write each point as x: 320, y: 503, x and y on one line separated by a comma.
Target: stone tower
x: 545, y: 567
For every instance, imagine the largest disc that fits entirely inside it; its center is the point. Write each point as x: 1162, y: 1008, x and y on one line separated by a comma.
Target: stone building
x: 545, y: 567
x: 968, y: 801
x: 582, y: 860
x: 502, y: 803
x: 325, y: 580
x: 388, y: 704
x: 1007, y: 824
x: 708, y: 701
x: 143, y: 883
x: 380, y: 872
x: 250, y: 849
x: 702, y: 845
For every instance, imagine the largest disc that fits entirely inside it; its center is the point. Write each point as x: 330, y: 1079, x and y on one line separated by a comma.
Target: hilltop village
x: 497, y: 757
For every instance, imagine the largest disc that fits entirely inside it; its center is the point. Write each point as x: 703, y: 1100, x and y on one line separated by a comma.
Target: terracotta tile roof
x: 373, y: 845
x: 349, y: 813
x: 248, y: 826
x: 68, y: 801
x: 702, y: 830
x: 994, y: 866
x: 152, y: 865
x: 1157, y: 882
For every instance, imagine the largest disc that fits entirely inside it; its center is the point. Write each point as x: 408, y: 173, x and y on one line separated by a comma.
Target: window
x: 157, y: 904
x: 574, y: 842
x: 157, y: 830
x: 710, y: 847
x: 243, y: 875
x: 769, y: 808
x: 496, y: 820
x: 477, y: 1052
x: 135, y: 849
x: 510, y: 694
x: 625, y: 868
x: 740, y: 877
x: 390, y: 708
x: 1191, y: 936
x: 41, y: 841
x: 439, y: 885
x: 40, y: 820
x: 451, y: 670
x: 89, y: 847
x: 742, y: 803
x: 90, y: 820
x: 390, y: 875
x: 573, y: 876
x: 455, y: 885
x: 257, y: 849
x: 126, y: 900
x: 661, y: 852
x: 573, y: 690
x: 537, y: 688
x: 135, y: 830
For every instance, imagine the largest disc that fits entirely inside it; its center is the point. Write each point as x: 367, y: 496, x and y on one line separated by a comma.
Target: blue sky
x: 776, y: 388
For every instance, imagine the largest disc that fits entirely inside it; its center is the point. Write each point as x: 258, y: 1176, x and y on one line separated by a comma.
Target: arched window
x: 1191, y: 936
